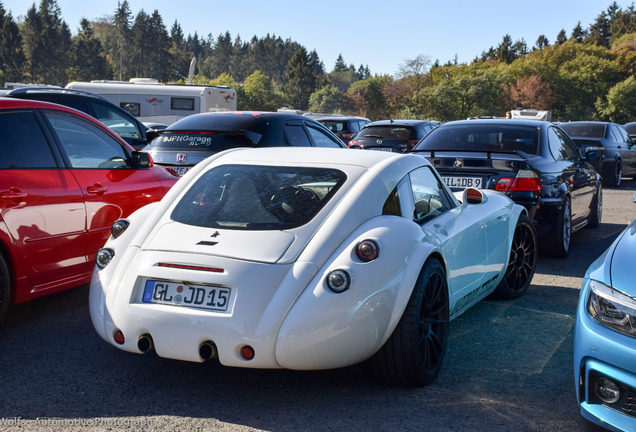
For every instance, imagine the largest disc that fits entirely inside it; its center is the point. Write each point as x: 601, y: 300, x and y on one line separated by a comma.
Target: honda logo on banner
x: 181, y: 157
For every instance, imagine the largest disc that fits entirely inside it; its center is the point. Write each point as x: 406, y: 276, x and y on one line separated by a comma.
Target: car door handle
x: 97, y: 189
x: 14, y: 194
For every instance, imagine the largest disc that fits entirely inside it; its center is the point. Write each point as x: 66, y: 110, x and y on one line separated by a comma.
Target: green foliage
x: 619, y: 105
x: 259, y: 94
x: 11, y: 54
x: 300, y: 81
x: 327, y: 100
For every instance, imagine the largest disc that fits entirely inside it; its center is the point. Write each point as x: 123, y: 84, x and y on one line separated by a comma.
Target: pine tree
x: 561, y: 37
x: 11, y: 55
x: 90, y: 61
x: 340, y: 65
x: 300, y: 81
x: 121, y: 53
x: 47, y: 41
x: 578, y: 34
x: 599, y: 32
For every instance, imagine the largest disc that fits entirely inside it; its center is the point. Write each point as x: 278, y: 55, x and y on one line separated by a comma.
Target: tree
x: 325, y: 100
x: 300, y: 81
x: 561, y: 37
x: 120, y: 52
x: 258, y: 93
x: 47, y: 41
x: 367, y: 98
x: 542, y: 42
x: 599, y: 32
x: 529, y: 92
x: 11, y: 54
x: 89, y: 60
x: 618, y: 106
x: 578, y: 34
x: 340, y: 65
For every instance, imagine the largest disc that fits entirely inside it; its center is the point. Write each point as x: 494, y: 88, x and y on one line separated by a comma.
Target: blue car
x: 605, y: 337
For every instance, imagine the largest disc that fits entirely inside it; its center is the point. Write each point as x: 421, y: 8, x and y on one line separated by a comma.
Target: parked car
x: 344, y: 127
x: 605, y: 337
x: 116, y: 118
x: 309, y: 259
x: 534, y: 163
x: 631, y: 129
x: 392, y: 135
x: 188, y: 141
x: 619, y: 154
x: 64, y: 179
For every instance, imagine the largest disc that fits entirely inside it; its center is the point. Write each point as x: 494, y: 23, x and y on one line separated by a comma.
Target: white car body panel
x: 279, y: 303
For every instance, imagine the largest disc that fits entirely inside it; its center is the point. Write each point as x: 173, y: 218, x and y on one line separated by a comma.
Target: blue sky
x: 380, y: 34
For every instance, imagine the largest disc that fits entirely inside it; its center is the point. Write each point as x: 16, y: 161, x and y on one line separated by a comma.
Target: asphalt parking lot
x: 508, y: 367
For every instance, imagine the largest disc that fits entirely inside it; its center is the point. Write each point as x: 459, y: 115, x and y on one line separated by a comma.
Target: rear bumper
x: 543, y: 212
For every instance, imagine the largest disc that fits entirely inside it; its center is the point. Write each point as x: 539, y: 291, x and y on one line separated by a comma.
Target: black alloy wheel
x: 414, y: 353
x: 522, y: 261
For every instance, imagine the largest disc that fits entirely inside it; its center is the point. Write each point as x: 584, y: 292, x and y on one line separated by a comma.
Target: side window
x: 86, y: 145
x: 428, y: 194
x: 23, y: 144
x: 624, y: 136
x: 121, y: 125
x: 569, y: 150
x: 561, y: 147
x: 296, y: 136
x: 320, y: 138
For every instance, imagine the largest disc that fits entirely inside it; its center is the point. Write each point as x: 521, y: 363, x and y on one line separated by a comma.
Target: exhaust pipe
x: 144, y: 343
x: 207, y: 350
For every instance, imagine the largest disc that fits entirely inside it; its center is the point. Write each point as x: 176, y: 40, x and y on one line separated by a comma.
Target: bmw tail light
x: 524, y: 181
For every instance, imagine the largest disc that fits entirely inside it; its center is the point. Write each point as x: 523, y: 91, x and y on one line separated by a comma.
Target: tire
x: 5, y: 288
x: 414, y: 353
x: 522, y: 261
x: 557, y: 242
x: 614, y: 175
x: 596, y: 212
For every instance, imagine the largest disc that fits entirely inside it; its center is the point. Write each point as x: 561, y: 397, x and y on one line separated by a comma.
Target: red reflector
x: 247, y: 352
x: 119, y: 337
x: 191, y: 267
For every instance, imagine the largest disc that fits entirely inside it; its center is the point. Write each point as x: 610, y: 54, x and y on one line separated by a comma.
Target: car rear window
x: 335, y: 125
x: 584, y: 130
x: 251, y: 197
x: 388, y: 132
x: 202, y: 141
x: 483, y: 137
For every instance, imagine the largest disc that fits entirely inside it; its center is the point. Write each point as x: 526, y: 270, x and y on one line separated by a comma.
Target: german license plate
x: 177, y: 294
x: 463, y: 182
x: 384, y: 149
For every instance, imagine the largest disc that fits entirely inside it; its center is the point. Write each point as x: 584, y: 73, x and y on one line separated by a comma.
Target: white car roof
x: 312, y: 156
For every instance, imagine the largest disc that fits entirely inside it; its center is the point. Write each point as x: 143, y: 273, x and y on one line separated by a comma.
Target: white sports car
x: 305, y: 258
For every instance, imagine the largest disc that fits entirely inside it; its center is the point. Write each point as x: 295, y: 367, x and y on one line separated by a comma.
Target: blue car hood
x: 623, y: 260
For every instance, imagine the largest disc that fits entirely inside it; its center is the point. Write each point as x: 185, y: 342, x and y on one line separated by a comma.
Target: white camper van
x: 150, y: 101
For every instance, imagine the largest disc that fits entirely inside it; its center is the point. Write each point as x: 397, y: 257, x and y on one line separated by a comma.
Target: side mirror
x: 593, y: 154
x: 142, y: 159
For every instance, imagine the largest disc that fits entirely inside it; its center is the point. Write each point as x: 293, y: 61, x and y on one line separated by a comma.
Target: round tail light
x: 367, y: 250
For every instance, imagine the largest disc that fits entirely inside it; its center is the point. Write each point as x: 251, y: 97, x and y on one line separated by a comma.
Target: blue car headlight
x: 612, y: 308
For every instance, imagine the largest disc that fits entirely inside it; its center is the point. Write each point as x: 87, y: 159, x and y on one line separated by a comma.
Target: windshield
x: 482, y: 137
x: 584, y: 130
x: 201, y: 141
x: 257, y: 197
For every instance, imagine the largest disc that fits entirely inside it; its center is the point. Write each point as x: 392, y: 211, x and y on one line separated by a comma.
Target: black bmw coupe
x: 535, y: 163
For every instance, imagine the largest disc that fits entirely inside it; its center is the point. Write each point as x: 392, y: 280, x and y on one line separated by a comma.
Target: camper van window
x: 133, y: 108
x: 185, y: 104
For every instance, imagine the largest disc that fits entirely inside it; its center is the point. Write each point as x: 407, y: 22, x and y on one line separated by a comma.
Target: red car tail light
x: 355, y: 144
x: 524, y: 181
x: 348, y: 135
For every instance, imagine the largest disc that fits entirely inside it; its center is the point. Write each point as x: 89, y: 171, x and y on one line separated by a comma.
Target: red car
x: 64, y: 179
